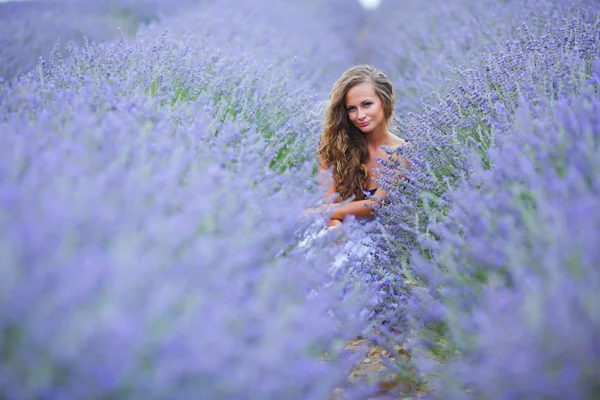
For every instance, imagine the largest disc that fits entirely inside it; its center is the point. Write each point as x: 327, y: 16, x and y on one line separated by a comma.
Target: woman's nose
x: 361, y: 114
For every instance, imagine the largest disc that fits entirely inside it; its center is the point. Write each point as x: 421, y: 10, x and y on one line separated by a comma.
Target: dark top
x: 369, y: 192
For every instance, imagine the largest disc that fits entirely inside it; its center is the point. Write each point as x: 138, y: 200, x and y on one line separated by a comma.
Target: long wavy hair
x: 342, y: 145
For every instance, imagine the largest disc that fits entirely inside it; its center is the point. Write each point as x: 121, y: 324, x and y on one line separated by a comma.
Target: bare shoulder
x: 397, y: 141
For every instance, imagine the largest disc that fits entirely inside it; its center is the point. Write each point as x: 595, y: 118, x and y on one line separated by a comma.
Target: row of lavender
x: 492, y: 277
x: 28, y: 29
x: 149, y: 221
x: 421, y: 48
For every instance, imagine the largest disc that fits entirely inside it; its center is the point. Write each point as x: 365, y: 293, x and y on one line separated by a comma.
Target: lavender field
x: 157, y: 159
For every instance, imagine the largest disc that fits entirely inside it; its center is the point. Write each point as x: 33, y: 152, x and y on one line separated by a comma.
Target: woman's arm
x: 361, y: 209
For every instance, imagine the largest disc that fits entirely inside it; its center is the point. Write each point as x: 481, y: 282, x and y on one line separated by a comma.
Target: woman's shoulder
x: 396, y: 141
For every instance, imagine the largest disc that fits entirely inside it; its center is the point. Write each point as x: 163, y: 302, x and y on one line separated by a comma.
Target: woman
x: 361, y: 104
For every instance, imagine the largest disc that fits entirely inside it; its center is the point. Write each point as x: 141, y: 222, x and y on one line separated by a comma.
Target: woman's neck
x: 378, y: 138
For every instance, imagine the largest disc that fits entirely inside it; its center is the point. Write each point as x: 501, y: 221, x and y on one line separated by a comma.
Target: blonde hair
x: 342, y: 145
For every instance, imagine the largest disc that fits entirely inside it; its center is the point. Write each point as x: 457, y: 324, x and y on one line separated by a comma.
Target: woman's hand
x: 362, y: 209
x: 334, y: 224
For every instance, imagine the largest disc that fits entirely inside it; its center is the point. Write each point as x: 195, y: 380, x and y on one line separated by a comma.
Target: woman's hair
x: 342, y: 145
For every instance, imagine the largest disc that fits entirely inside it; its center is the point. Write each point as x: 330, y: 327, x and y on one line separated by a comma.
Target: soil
x: 371, y: 370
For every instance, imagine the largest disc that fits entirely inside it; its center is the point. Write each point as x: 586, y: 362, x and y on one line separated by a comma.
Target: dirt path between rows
x: 371, y: 370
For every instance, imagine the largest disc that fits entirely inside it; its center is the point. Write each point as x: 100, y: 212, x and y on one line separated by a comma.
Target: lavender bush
x: 420, y: 49
x: 449, y: 140
x: 520, y: 272
x: 28, y: 29
x: 481, y: 186
x: 150, y: 226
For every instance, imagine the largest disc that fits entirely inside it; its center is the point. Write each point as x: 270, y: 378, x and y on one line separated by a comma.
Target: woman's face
x: 365, y: 108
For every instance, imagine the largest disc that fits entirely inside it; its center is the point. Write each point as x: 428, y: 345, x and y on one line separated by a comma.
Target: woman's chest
x: 372, y: 164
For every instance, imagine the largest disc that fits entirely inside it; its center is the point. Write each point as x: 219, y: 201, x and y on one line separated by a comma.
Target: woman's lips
x: 363, y: 124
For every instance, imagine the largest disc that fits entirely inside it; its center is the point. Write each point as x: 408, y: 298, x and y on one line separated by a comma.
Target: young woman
x: 360, y: 107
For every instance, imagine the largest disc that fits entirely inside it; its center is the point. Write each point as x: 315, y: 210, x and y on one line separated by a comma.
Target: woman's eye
x: 368, y: 104
x: 350, y: 109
